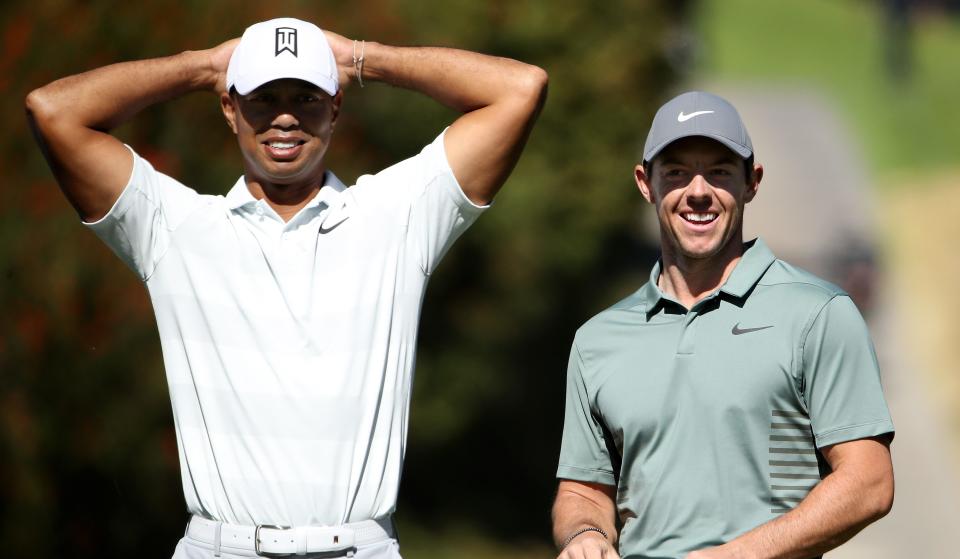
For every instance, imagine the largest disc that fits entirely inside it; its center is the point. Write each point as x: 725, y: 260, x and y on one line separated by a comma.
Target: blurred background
x: 852, y: 105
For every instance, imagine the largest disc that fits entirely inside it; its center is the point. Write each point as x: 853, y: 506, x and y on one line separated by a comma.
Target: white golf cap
x: 282, y: 48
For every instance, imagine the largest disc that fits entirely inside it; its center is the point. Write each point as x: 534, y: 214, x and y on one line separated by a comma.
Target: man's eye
x: 674, y: 173
x: 721, y: 172
x: 308, y: 99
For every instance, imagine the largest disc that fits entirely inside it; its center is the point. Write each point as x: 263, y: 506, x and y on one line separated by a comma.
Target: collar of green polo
x: 756, y: 258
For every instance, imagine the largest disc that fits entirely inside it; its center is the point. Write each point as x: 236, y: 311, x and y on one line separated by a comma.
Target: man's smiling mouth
x: 283, y: 145
x: 699, y: 218
x: 283, y: 149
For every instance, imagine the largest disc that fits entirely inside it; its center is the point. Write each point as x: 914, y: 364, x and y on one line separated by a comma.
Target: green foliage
x: 906, y: 125
x: 85, y: 426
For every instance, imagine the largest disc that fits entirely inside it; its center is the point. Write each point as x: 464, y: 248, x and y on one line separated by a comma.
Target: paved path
x: 815, y: 198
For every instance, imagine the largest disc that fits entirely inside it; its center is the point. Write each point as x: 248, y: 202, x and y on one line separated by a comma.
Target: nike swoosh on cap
x: 683, y: 118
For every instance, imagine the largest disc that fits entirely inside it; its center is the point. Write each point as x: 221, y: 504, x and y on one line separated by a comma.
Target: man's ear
x: 337, y: 101
x: 229, y: 108
x: 753, y: 183
x: 643, y: 182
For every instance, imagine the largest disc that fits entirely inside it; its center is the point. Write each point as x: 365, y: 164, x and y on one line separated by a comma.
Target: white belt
x: 275, y: 541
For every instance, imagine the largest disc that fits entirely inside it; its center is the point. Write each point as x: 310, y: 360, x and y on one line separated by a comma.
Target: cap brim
x: 743, y: 151
x: 245, y: 86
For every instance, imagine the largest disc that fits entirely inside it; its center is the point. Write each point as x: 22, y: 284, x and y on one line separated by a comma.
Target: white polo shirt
x: 289, y: 347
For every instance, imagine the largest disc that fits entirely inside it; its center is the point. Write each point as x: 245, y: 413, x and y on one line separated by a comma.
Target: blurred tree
x: 85, y: 427
x: 898, y: 49
x: 559, y: 246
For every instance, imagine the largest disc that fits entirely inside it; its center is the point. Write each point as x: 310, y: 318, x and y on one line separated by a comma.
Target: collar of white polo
x: 329, y: 196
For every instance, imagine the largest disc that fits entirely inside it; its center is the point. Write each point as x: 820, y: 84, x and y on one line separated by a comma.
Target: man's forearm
x: 71, y: 117
x: 580, y: 506
x: 570, y: 517
x: 500, y: 99
x: 105, y: 97
x: 829, y: 516
x: 857, y: 493
x: 459, y: 79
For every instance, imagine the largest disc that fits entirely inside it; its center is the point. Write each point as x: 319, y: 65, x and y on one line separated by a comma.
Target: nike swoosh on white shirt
x: 683, y: 118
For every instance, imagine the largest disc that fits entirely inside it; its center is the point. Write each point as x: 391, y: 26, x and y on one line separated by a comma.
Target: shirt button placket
x: 688, y: 334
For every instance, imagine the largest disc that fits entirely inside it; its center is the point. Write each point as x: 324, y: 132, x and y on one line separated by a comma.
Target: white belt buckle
x: 310, y: 539
x: 256, y: 541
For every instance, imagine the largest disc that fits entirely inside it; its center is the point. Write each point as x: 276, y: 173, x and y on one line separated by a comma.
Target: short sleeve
x: 842, y: 378
x: 139, y: 226
x: 583, y: 451
x: 422, y: 193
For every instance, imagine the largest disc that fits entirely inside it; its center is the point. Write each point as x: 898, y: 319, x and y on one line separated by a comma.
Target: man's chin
x: 285, y: 176
x: 706, y: 249
x: 700, y: 251
x: 281, y: 180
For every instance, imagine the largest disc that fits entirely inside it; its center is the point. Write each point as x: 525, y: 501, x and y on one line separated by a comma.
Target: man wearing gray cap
x: 731, y: 407
x: 288, y: 308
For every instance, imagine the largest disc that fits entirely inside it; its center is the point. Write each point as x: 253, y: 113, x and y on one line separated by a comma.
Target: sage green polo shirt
x: 708, y: 420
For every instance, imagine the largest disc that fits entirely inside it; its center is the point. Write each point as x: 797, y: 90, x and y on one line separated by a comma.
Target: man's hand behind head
x: 219, y: 60
x: 344, y: 50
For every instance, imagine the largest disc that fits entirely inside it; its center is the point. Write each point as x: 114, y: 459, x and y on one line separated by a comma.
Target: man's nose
x: 285, y: 119
x: 698, y: 187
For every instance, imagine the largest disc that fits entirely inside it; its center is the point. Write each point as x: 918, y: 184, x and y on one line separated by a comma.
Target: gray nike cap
x: 696, y: 113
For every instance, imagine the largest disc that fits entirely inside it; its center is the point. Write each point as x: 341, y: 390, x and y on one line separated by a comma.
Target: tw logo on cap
x: 286, y: 40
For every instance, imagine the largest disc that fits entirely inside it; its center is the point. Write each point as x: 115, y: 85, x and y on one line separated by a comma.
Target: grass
x: 839, y: 47
x: 449, y: 542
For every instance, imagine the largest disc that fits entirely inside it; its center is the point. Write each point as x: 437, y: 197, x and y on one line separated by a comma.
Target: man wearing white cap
x: 288, y: 309
x: 731, y: 407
